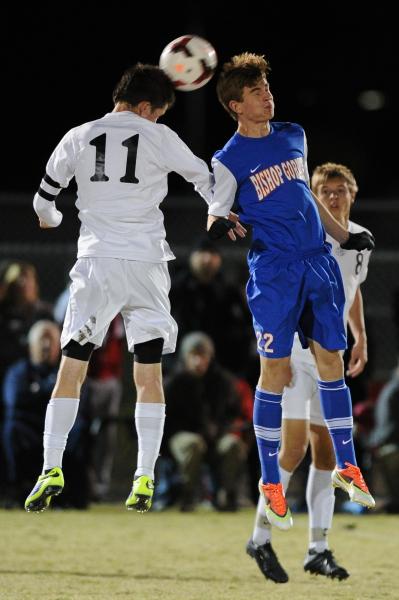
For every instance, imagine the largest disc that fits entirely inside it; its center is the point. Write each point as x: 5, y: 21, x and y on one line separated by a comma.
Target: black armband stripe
x: 46, y: 195
x: 50, y: 181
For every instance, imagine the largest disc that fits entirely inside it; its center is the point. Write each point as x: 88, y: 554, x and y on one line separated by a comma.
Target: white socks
x: 150, y: 419
x: 262, y: 527
x: 60, y: 417
x: 285, y: 477
x: 320, y: 499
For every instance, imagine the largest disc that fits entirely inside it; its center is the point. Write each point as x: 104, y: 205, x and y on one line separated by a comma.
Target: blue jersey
x: 268, y: 180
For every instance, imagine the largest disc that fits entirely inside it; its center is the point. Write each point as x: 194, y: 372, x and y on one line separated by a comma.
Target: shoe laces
x: 275, y: 494
x: 356, y: 475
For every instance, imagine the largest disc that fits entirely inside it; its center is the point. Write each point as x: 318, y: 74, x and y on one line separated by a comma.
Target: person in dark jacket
x: 202, y: 300
x: 205, y: 423
x: 27, y: 385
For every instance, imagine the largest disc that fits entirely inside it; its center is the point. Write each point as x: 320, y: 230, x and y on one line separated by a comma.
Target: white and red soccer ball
x: 189, y: 61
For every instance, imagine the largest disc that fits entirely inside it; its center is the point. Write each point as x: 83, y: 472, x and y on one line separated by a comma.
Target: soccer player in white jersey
x: 121, y: 163
x: 303, y: 422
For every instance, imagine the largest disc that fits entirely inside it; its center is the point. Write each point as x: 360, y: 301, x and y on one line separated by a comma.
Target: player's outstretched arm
x: 348, y: 241
x: 331, y: 225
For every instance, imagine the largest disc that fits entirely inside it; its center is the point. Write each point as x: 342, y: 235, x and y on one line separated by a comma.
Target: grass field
x: 109, y: 553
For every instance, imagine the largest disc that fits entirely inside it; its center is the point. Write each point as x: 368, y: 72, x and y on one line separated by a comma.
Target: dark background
x: 60, y: 64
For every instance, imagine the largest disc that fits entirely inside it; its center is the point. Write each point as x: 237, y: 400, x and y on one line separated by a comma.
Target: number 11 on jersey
x: 131, y: 144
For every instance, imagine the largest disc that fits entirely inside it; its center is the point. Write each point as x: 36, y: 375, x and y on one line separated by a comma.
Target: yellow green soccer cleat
x: 48, y: 485
x: 351, y: 481
x: 140, y: 498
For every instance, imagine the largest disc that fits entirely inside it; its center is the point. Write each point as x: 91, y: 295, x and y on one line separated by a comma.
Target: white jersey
x: 121, y: 164
x: 353, y: 266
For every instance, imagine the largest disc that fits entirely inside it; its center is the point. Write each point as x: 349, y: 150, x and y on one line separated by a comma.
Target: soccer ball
x: 189, y: 61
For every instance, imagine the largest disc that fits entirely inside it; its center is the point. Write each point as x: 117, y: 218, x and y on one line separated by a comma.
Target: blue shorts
x: 304, y: 294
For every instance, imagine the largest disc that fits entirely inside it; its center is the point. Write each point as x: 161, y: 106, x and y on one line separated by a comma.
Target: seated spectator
x: 205, y: 423
x: 20, y: 307
x: 28, y: 384
x: 384, y: 439
x: 202, y: 300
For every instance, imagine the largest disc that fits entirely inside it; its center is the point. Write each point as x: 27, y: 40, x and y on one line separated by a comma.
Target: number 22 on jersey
x: 264, y: 342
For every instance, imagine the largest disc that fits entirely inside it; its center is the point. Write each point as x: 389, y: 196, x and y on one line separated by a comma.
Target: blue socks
x: 267, y: 426
x: 336, y: 405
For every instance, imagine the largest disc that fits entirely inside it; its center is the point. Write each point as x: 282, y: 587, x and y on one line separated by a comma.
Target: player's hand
x: 358, y: 359
x: 238, y: 229
x: 220, y: 226
x: 359, y: 241
x: 44, y: 225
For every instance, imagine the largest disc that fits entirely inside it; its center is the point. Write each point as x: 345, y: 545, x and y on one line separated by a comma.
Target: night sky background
x: 61, y: 62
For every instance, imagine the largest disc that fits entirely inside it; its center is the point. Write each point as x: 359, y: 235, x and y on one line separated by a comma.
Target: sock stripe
x: 332, y: 385
x: 343, y: 423
x: 268, y: 400
x: 268, y: 435
x: 267, y: 396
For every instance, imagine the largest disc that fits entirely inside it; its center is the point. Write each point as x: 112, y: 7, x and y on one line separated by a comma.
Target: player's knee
x: 74, y: 350
x: 150, y: 352
x: 329, y: 357
x: 275, y: 374
x: 291, y: 456
x: 330, y: 365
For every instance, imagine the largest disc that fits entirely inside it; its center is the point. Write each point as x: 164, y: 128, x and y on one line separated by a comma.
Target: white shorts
x: 302, y: 399
x: 103, y: 287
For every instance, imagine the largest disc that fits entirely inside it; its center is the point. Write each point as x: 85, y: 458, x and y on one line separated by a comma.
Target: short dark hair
x: 243, y: 70
x: 142, y: 83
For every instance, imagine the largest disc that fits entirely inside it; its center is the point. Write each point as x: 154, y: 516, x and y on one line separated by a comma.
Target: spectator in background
x: 207, y: 423
x: 20, y: 308
x: 27, y: 384
x: 384, y: 439
x: 202, y: 300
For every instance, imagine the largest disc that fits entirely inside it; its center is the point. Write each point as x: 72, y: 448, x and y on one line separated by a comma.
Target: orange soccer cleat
x: 277, y: 511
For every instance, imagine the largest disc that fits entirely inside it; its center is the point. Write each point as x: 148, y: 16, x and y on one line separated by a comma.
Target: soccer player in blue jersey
x: 295, y: 283
x: 303, y: 422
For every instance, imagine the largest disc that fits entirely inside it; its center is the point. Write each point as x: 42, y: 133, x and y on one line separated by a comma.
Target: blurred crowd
x: 209, y: 455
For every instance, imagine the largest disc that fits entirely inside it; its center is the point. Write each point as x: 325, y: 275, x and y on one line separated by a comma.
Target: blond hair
x: 243, y: 70
x: 329, y: 170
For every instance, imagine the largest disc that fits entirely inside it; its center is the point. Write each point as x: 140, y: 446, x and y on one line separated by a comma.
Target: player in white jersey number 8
x: 303, y: 422
x: 121, y: 163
